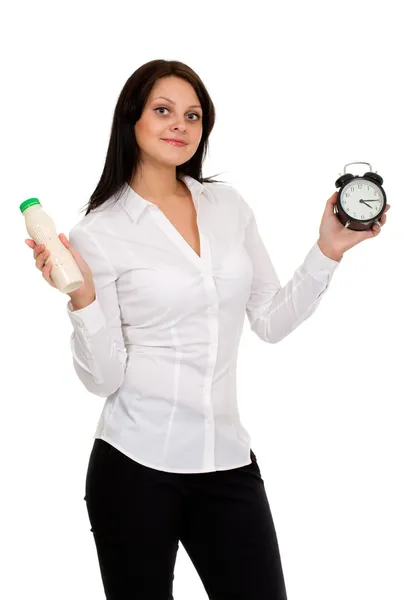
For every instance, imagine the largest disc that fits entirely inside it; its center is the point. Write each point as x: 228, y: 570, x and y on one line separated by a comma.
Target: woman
x: 172, y: 263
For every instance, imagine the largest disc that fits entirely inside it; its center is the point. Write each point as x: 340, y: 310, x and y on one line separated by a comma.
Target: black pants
x: 138, y: 515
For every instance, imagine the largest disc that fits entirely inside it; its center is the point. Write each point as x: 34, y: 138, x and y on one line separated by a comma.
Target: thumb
x: 329, y: 207
x: 361, y: 236
x: 68, y: 245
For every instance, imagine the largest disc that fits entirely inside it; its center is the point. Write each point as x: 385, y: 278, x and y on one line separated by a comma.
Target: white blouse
x: 161, y: 339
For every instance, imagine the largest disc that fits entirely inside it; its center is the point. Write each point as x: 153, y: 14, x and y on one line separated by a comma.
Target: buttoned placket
x: 204, y: 265
x: 213, y: 324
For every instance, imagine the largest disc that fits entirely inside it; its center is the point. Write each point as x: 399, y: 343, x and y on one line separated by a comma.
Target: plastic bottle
x: 65, y: 273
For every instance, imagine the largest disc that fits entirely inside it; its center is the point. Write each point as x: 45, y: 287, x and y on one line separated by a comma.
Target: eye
x: 165, y: 108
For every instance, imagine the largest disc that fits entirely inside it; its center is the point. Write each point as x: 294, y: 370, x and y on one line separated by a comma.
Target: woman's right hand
x: 85, y: 294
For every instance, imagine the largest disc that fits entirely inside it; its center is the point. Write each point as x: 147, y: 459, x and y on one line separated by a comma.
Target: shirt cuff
x: 318, y: 265
x: 89, y: 319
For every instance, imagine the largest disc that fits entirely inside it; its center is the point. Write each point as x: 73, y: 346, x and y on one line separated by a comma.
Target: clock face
x: 362, y: 199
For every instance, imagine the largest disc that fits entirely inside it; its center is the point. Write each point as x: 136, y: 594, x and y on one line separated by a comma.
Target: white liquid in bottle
x: 65, y: 273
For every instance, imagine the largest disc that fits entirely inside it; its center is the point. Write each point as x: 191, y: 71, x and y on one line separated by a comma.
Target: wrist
x: 82, y: 302
x: 329, y: 251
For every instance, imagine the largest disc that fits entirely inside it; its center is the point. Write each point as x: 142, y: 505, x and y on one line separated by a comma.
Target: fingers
x: 41, y: 253
x: 383, y: 218
x: 36, y: 247
x: 377, y: 227
x: 45, y: 268
x: 46, y: 271
x: 40, y: 257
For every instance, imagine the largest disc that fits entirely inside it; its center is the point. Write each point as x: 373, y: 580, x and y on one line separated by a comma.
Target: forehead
x: 175, y: 89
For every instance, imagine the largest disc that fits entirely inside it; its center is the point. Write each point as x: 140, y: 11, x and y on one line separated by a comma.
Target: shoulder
x: 223, y: 191
x: 83, y: 231
x: 219, y: 188
x: 89, y: 237
x: 97, y: 221
x: 230, y: 196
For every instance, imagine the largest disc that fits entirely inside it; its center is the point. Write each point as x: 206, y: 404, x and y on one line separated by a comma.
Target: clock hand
x: 369, y: 200
x: 363, y: 202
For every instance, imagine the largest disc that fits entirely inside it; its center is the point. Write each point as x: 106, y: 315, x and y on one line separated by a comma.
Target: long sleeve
x: 97, y: 344
x: 274, y: 311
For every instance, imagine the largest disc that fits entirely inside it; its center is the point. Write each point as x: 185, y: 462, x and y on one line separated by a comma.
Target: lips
x: 174, y: 142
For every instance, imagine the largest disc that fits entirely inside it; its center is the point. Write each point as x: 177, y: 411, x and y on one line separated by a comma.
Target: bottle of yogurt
x: 65, y: 273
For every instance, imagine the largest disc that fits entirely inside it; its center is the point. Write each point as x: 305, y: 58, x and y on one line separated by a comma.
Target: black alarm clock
x: 361, y: 199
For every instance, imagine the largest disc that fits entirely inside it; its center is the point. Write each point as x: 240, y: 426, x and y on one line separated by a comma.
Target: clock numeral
x: 360, y: 186
x: 362, y: 216
x: 352, y: 189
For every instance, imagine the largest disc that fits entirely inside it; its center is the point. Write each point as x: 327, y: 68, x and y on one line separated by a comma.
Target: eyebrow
x: 168, y: 100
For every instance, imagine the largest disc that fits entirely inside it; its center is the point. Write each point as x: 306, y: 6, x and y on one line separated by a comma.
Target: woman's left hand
x: 335, y: 239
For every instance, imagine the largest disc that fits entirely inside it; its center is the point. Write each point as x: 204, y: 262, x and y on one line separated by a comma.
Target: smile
x: 173, y: 143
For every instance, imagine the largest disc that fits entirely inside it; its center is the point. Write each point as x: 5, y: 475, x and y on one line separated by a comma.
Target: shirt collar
x: 134, y: 204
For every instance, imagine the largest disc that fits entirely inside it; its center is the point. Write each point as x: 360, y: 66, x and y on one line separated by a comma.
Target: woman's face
x: 181, y: 118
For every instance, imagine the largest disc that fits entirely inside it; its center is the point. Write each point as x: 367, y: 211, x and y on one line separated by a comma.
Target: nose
x: 180, y: 128
x: 180, y: 125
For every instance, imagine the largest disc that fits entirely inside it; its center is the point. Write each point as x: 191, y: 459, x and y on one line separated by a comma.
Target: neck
x: 157, y: 185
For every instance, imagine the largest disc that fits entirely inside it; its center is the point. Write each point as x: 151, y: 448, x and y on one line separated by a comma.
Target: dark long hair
x: 123, y: 151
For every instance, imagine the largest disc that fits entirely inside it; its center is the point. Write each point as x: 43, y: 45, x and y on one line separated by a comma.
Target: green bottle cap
x: 29, y: 202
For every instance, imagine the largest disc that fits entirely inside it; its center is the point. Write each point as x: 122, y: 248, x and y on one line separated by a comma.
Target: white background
x: 300, y: 89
